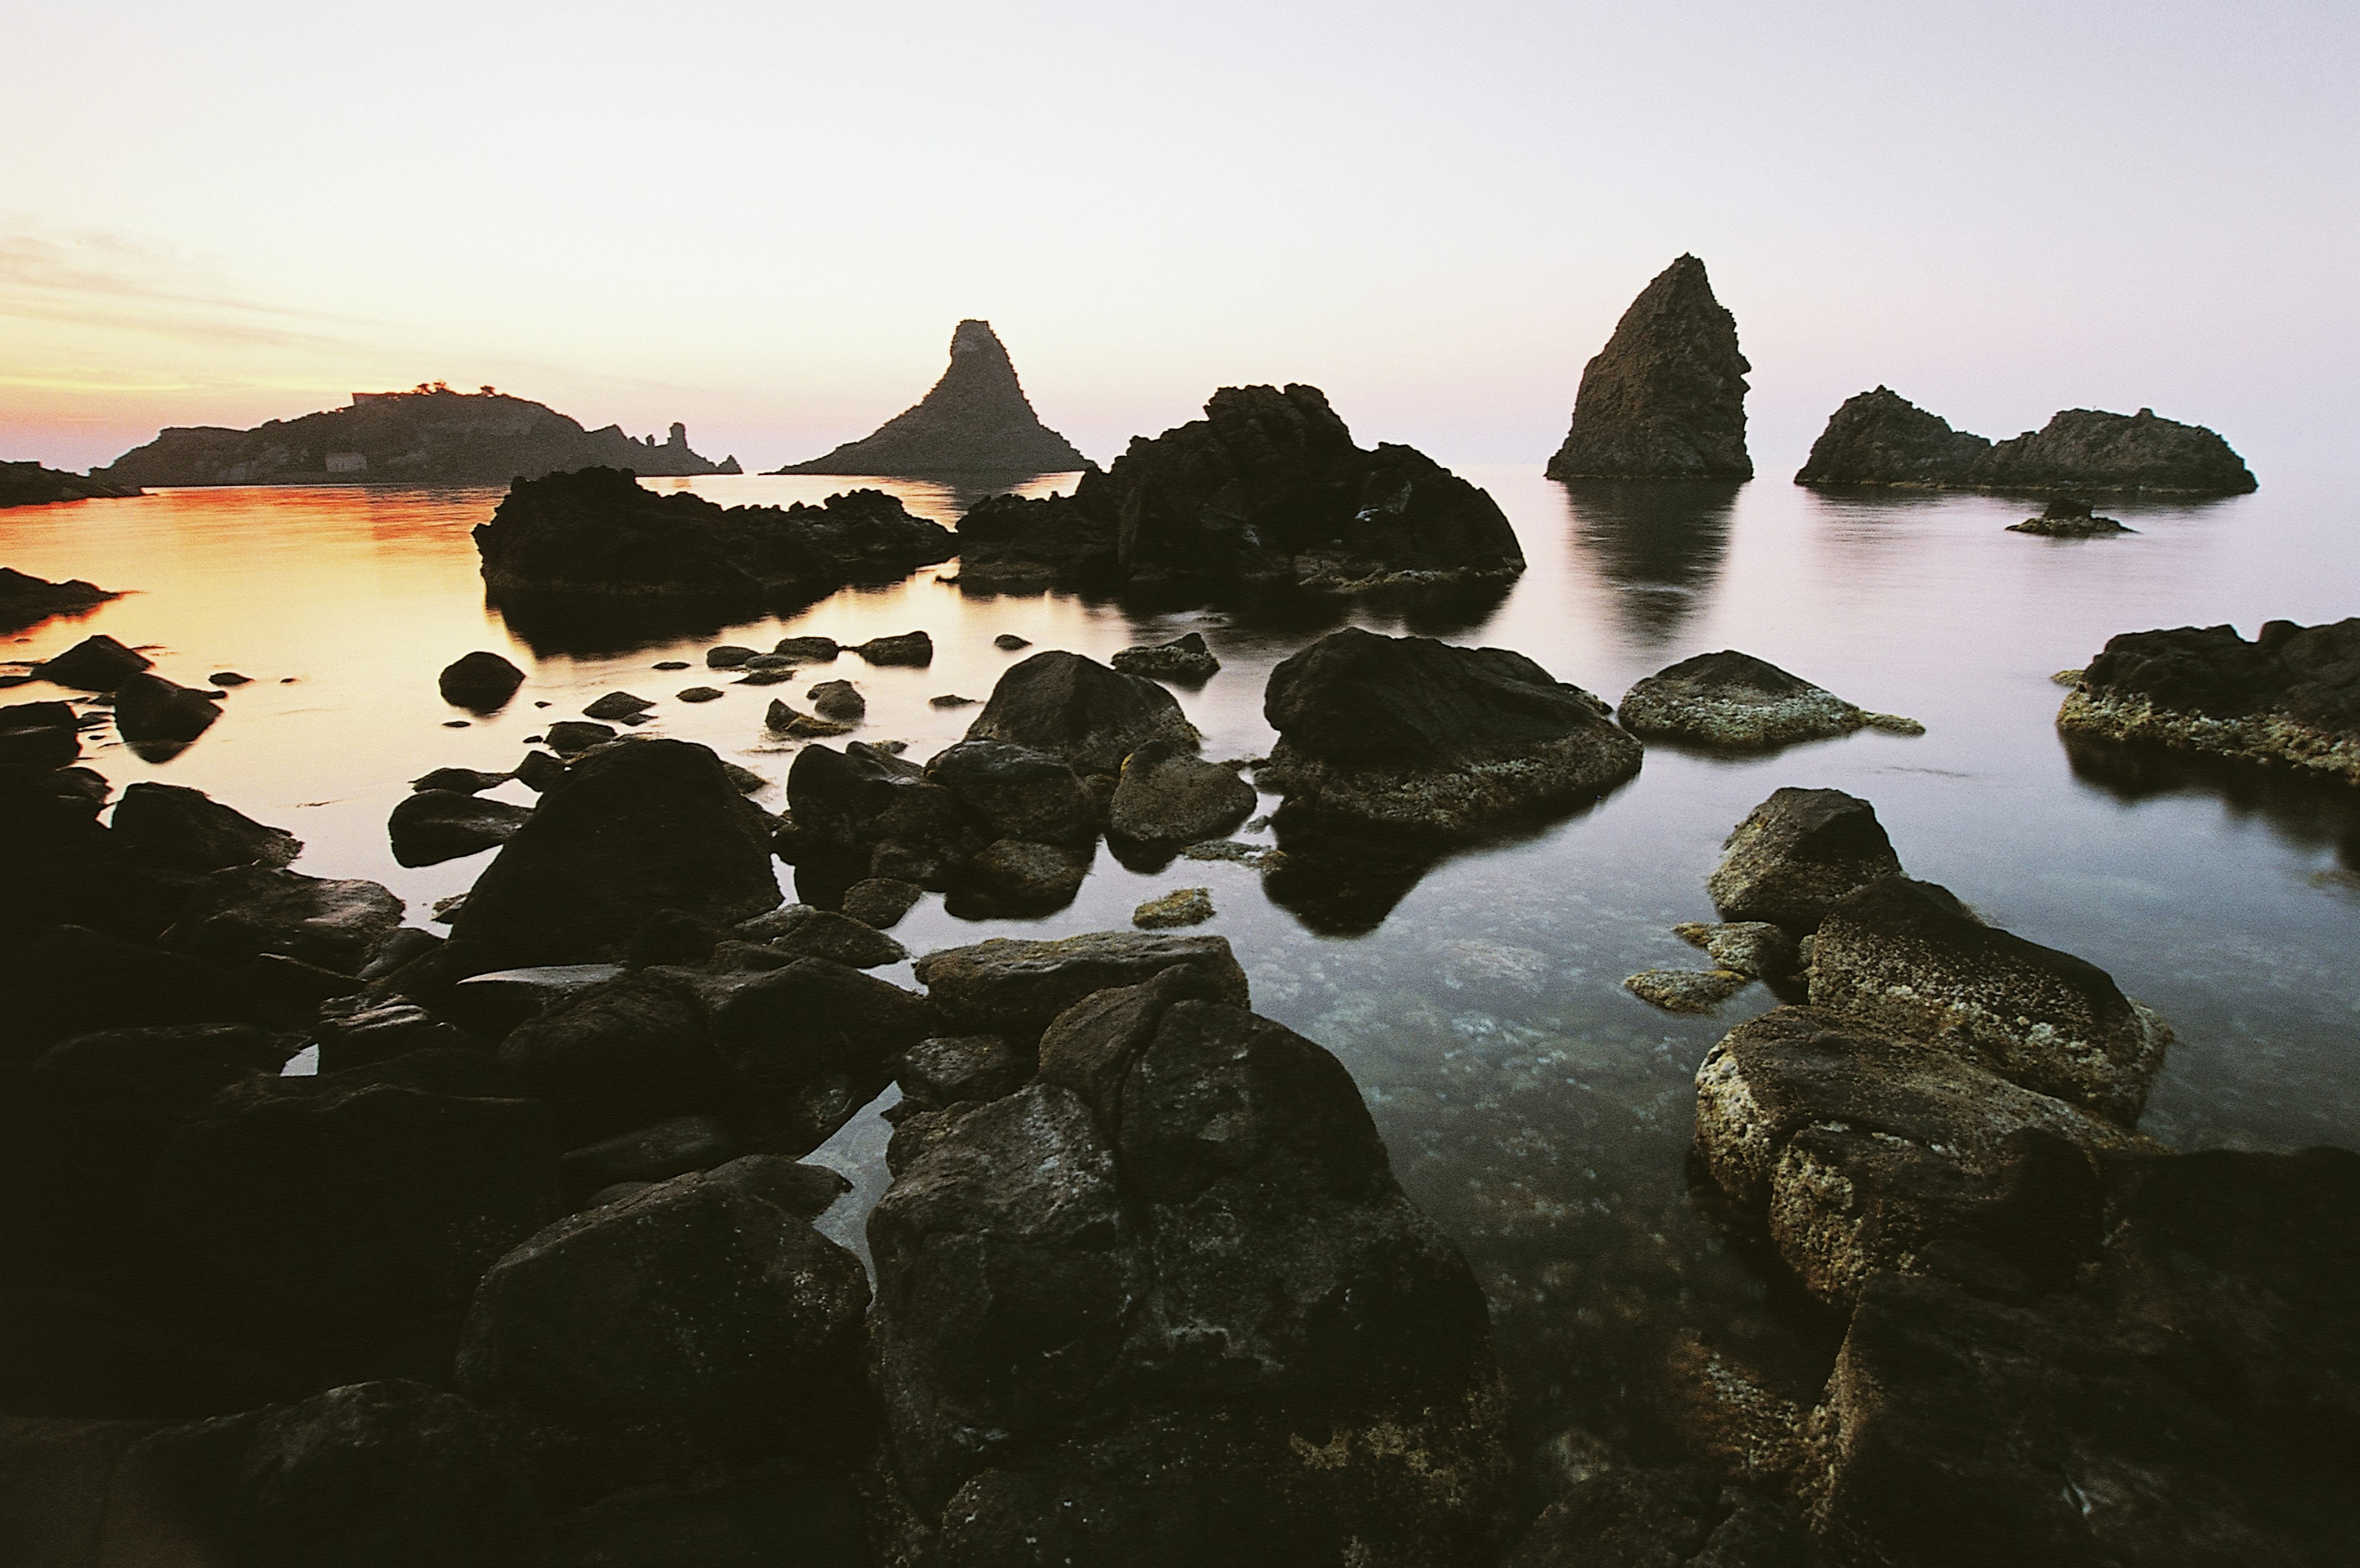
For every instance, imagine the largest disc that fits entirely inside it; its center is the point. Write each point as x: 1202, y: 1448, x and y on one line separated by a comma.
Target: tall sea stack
x: 977, y: 420
x: 1665, y: 397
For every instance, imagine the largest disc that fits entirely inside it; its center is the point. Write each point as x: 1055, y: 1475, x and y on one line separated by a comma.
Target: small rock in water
x: 1261, y: 856
x: 1181, y: 906
x: 764, y: 677
x: 1686, y: 990
x: 482, y: 680
x: 1182, y: 658
x: 700, y: 694
x: 1755, y: 949
x: 1010, y: 641
x: 728, y: 656
x: 458, y: 780
x: 839, y: 699
x: 540, y: 772
x: 950, y: 700
x: 1730, y: 699
x: 909, y: 648
x: 618, y: 707
x: 2068, y: 516
x: 784, y: 720
x: 671, y: 664
x: 458, y: 723
x: 150, y: 710
x: 431, y: 826
x: 230, y: 678
x: 808, y: 649
x: 769, y: 661
x: 570, y: 737
x: 2066, y: 678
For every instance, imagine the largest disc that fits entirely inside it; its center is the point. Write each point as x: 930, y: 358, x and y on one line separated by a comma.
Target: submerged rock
x: 1080, y: 711
x: 480, y: 680
x: 1795, y: 853
x: 1686, y: 990
x: 1408, y: 733
x: 1023, y: 877
x: 977, y: 420
x: 1908, y: 957
x: 1182, y: 659
x: 1735, y: 699
x: 880, y: 901
x: 2290, y: 697
x: 1880, y: 438
x: 1755, y: 949
x: 1666, y: 397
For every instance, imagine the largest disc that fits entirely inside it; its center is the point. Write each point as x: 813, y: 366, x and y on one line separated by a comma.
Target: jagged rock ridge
x: 428, y: 437
x: 977, y: 420
x: 1881, y: 438
x: 1666, y: 397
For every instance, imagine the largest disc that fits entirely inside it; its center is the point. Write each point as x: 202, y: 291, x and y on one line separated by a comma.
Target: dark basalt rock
x: 617, y: 707
x: 1018, y: 877
x: 786, y: 1031
x: 430, y: 827
x: 97, y: 664
x: 1666, y: 397
x: 1014, y: 989
x: 37, y: 737
x: 1166, y: 795
x: 1734, y: 700
x: 913, y: 648
x: 880, y: 901
x: 570, y: 737
x: 636, y: 831
x: 463, y: 780
x: 156, y: 714
x: 837, y: 699
x: 2069, y: 517
x: 1009, y: 642
x: 1189, y: 1212
x: 82, y: 1357
x: 541, y: 772
x: 299, y: 1214
x: 71, y: 981
x: 1080, y: 711
x: 1795, y: 853
x: 1416, y: 735
x: 1016, y: 792
x: 637, y: 1049
x: 807, y: 649
x: 183, y: 830
x: 1908, y: 957
x: 945, y: 1071
x: 1880, y: 438
x: 599, y: 534
x: 182, y: 1064
x: 975, y: 420
x: 26, y: 600
x: 1007, y: 542
x: 480, y: 681
x: 2290, y: 697
x: 847, y: 804
x: 30, y: 484
x: 1629, y: 1518
x: 1182, y: 659
x: 234, y: 915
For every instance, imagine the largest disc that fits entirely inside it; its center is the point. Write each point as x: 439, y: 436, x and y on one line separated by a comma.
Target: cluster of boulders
x: 598, y: 534
x: 1881, y: 438
x: 2290, y: 699
x: 1269, y: 486
x: 158, y: 718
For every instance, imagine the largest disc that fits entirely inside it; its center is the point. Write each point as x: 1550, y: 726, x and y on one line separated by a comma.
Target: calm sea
x: 1535, y: 1108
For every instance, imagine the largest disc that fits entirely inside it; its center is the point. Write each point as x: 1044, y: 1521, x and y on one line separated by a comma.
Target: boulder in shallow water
x: 1018, y: 875
x: 943, y: 1071
x: 1017, y: 792
x: 463, y: 780
x: 914, y: 648
x: 1880, y: 438
x: 570, y: 737
x: 617, y: 707
x: 2069, y: 517
x: 783, y: 718
x: 97, y: 664
x: 430, y: 827
x: 1080, y: 711
x: 839, y: 699
x: 185, y: 830
x: 1014, y: 988
x: 1686, y: 990
x: 1908, y: 957
x: 1170, y: 795
x: 1737, y: 700
x: 150, y: 711
x: 880, y: 901
x: 807, y: 649
x: 1414, y: 735
x: 480, y: 680
x: 234, y: 915
x: 1181, y: 906
x: 619, y: 1055
x: 2290, y: 698
x: 1795, y: 853
x: 1666, y: 397
x: 1184, y: 658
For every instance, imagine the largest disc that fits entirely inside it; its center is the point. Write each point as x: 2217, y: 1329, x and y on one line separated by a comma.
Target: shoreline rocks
x: 2290, y: 698
x: 1880, y: 438
x: 1798, y: 853
x: 1666, y: 397
x: 26, y: 600
x: 1733, y: 700
x: 31, y: 484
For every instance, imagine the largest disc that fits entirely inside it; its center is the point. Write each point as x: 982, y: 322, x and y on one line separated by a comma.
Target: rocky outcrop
x: 1880, y: 438
x: 97, y: 664
x: 1268, y: 486
x: 1412, y: 734
x: 1077, y: 710
x: 30, y: 484
x: 2290, y: 698
x: 1666, y: 397
x: 431, y: 435
x: 1795, y: 853
x: 975, y: 420
x: 1007, y: 542
x: 159, y: 717
x: 26, y: 600
x: 1169, y: 1299
x: 2069, y: 517
x: 1737, y: 700
x: 1184, y: 658
x: 598, y: 534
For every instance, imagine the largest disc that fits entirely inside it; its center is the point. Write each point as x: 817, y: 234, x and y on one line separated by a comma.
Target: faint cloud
x: 93, y: 277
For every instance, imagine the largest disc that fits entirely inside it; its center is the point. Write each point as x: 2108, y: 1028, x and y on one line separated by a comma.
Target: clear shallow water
x: 1540, y: 1113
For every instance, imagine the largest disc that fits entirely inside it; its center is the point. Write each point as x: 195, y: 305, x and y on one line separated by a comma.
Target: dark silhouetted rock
x: 1079, y: 711
x: 879, y: 901
x: 598, y: 534
x: 1185, y: 658
x: 26, y: 600
x: 1735, y: 699
x: 168, y: 825
x: 1016, y: 875
x: 807, y: 649
x: 1795, y: 853
x: 150, y: 711
x: 431, y: 435
x: 39, y: 736
x: 30, y: 484
x: 650, y: 1153
x: 822, y: 933
x: 1909, y: 958
x: 380, y: 1031
x: 1665, y: 397
x: 2069, y: 517
x: 81, y: 1357
x: 570, y: 737
x: 617, y: 707
x: 947, y: 1070
x: 784, y: 718
x: 541, y: 772
x: 1009, y: 542
x: 618, y: 1056
x: 71, y: 981
x: 1009, y: 642
x: 232, y: 914
x: 977, y: 420
x: 637, y: 829
x: 2290, y: 697
x: 429, y: 826
x: 728, y: 656
x: 1017, y: 792
x: 463, y: 780
x: 1408, y: 733
x: 837, y: 699
x: 1014, y: 988
x: 1879, y: 438
x: 787, y: 1030
x: 698, y: 695
x: 913, y: 648
x: 182, y: 1064
x: 1166, y: 795
x: 97, y: 664
x: 480, y: 680
x: 845, y: 803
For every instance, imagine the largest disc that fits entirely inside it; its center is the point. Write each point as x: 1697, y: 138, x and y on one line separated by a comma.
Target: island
x: 975, y: 420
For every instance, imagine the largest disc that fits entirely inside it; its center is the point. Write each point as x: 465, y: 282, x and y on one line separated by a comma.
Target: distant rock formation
x: 599, y: 534
x: 1666, y: 397
x: 433, y: 436
x: 977, y: 420
x: 30, y: 484
x: 1268, y: 486
x: 27, y: 600
x: 1881, y: 438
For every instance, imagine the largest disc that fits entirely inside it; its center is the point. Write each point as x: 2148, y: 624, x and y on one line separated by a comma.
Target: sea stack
x: 1665, y: 397
x: 1881, y: 438
x: 977, y: 420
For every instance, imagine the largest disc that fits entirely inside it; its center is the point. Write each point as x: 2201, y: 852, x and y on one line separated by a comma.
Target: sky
x: 764, y: 219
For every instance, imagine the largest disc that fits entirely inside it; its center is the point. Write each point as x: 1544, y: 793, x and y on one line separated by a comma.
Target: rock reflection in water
x: 1660, y: 541
x: 2310, y: 813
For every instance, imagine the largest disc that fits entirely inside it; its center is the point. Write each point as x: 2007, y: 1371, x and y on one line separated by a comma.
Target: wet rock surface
x: 1880, y: 438
x: 159, y: 716
x: 1795, y: 853
x: 1016, y: 989
x: 1168, y: 795
x: 1686, y: 990
x: 2067, y: 518
x: 1733, y: 700
x: 1080, y: 711
x: 1411, y: 734
x: 2290, y: 698
x: 1666, y: 397
x: 1184, y: 658
x: 429, y: 826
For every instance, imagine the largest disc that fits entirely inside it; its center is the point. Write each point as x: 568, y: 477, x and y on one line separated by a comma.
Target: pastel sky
x: 765, y: 219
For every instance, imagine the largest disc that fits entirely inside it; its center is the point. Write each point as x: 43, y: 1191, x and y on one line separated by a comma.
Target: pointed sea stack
x: 977, y: 420
x: 1665, y: 397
